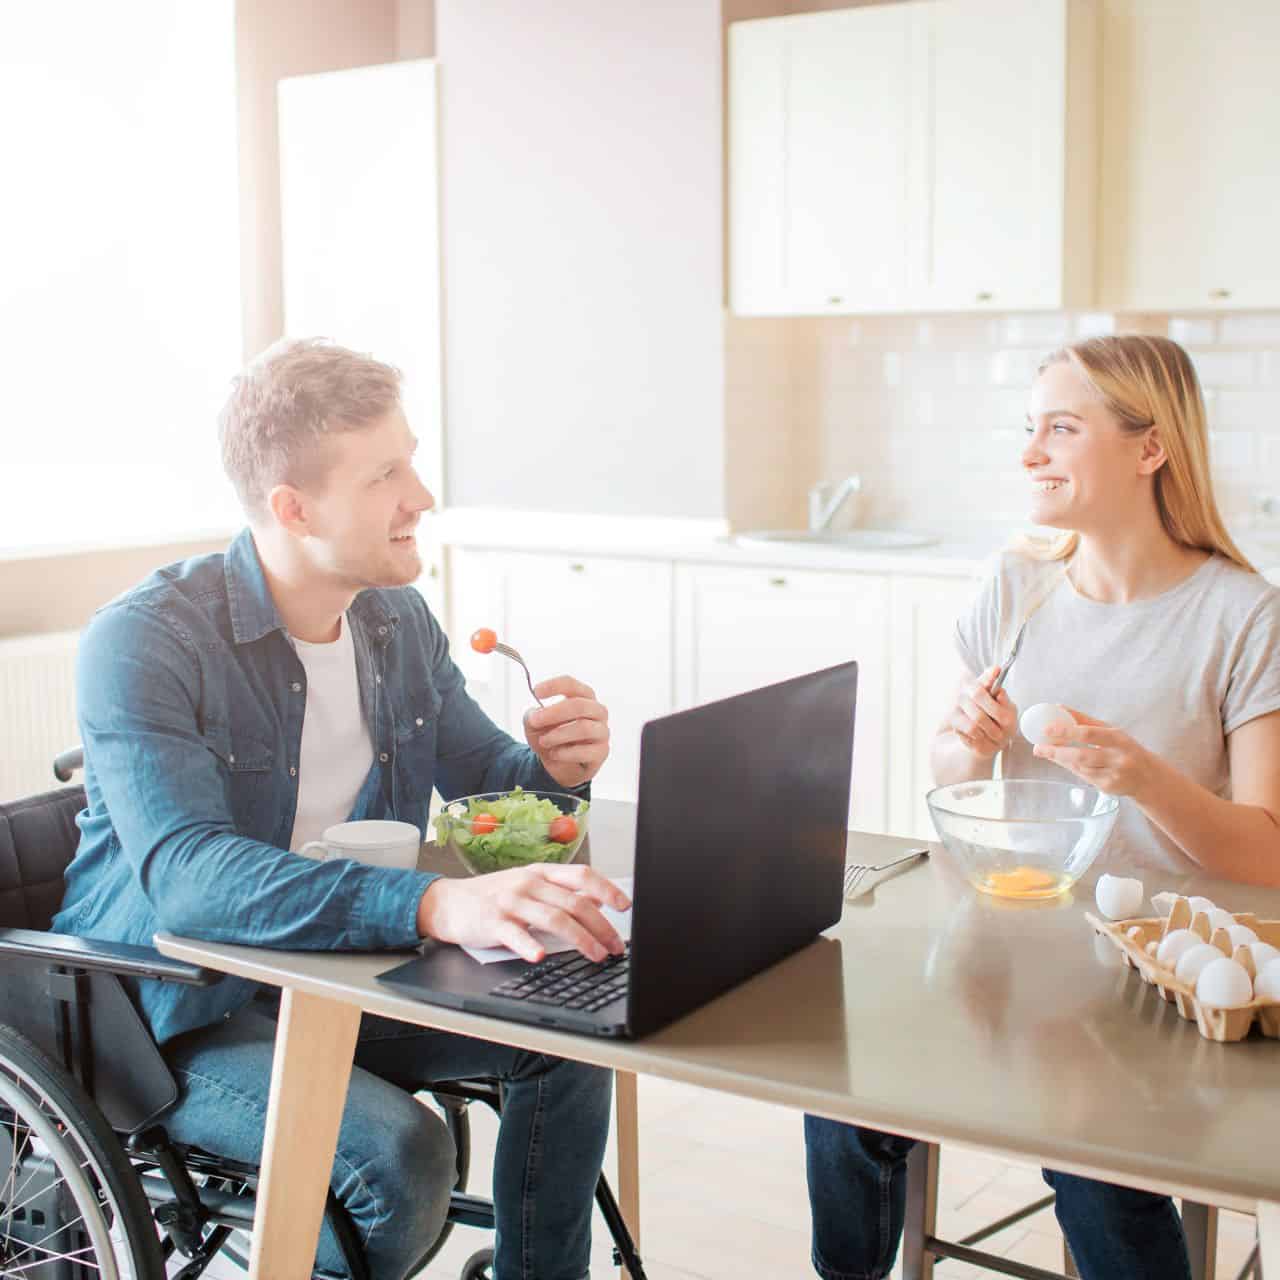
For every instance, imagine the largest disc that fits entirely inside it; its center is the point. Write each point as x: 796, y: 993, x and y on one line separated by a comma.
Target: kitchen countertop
x: 964, y: 553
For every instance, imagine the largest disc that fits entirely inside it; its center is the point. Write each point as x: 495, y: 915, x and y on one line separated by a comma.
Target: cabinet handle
x: 777, y: 582
x: 834, y: 300
x: 1219, y: 293
x: 576, y: 567
x: 984, y: 296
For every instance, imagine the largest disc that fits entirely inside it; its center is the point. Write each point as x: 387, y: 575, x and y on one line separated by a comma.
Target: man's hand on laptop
x: 500, y: 909
x: 570, y: 737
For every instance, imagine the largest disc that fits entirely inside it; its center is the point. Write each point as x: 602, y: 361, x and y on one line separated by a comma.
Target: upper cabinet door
x: 1004, y: 210
x: 819, y: 154
x: 848, y: 78
x: 1190, y: 175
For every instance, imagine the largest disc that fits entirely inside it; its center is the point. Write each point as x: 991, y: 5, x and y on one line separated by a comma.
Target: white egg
x: 1118, y: 897
x: 1192, y: 962
x: 1224, y: 984
x: 1241, y: 935
x: 1035, y: 720
x: 1263, y: 954
x: 1163, y: 902
x: 1219, y: 919
x: 1267, y: 985
x: 1173, y: 944
x: 1201, y: 904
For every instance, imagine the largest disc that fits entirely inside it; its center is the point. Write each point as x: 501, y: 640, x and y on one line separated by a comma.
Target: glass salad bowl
x: 1022, y: 837
x: 503, y: 829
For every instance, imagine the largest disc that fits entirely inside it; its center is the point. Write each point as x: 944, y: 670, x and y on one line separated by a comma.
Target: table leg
x: 626, y: 1101
x: 1269, y: 1236
x: 921, y: 1211
x: 315, y: 1045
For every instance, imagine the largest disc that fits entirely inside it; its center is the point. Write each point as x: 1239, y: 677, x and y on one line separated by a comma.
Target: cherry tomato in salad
x: 483, y: 824
x: 564, y: 830
x: 484, y: 640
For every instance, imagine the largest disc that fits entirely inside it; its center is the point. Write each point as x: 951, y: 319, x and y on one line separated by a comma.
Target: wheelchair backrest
x: 38, y: 838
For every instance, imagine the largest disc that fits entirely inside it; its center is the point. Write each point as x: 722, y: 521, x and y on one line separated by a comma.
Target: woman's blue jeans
x: 858, y: 1192
x: 394, y: 1166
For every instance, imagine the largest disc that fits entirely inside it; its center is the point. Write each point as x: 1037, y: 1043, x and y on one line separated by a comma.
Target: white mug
x: 375, y: 841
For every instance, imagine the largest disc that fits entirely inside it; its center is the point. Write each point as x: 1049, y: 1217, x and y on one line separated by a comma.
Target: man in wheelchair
x: 232, y: 707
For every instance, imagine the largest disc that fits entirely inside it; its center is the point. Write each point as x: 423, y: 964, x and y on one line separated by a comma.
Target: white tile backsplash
x: 930, y: 409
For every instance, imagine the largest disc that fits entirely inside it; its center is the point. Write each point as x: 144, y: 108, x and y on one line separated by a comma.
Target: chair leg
x: 1200, y: 1225
x: 922, y: 1211
x: 1068, y: 1262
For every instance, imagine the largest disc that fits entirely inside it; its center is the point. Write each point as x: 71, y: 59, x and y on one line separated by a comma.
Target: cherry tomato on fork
x: 483, y: 824
x: 564, y: 830
x: 485, y: 640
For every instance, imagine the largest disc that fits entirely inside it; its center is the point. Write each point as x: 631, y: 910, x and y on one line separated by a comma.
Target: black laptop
x: 739, y: 861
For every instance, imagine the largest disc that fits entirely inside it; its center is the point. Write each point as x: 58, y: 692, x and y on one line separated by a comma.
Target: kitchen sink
x: 849, y: 540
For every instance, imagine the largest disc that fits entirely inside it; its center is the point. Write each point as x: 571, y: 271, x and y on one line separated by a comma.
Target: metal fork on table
x: 854, y: 872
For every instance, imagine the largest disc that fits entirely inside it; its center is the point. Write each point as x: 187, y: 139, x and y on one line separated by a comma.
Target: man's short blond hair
x: 285, y: 405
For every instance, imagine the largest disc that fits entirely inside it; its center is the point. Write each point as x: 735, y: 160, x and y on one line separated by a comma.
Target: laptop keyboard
x: 570, y: 981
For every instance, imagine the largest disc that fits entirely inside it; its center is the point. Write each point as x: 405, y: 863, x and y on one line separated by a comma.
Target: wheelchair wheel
x: 479, y: 1266
x: 70, y: 1203
x: 454, y: 1113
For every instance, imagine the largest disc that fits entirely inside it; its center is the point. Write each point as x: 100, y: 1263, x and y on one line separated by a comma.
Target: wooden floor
x: 723, y: 1196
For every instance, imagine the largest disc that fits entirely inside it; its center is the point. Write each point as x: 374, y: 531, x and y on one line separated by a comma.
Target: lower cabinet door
x: 741, y: 628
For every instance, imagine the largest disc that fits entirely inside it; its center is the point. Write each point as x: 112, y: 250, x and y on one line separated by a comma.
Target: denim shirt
x: 190, y: 701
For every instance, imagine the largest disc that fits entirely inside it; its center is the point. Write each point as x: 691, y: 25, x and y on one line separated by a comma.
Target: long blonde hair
x: 1147, y: 382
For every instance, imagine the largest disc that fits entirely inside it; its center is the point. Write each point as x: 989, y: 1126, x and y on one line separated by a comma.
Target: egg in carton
x: 1139, y: 939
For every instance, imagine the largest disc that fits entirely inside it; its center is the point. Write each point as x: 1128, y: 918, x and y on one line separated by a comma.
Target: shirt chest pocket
x: 247, y: 765
x: 416, y: 722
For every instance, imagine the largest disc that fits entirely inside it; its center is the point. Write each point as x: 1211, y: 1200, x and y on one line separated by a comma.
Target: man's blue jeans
x: 394, y: 1165
x: 858, y: 1191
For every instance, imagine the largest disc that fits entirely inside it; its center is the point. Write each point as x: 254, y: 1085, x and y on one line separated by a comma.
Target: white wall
x: 584, y: 349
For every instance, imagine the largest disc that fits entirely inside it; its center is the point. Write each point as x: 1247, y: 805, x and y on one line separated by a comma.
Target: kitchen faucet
x: 826, y: 499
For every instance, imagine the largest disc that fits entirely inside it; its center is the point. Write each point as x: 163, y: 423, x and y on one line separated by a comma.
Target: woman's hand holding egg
x: 1099, y: 754
x: 984, y: 723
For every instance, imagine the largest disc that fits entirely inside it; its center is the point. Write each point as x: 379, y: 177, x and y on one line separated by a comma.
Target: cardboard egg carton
x: 1133, y: 936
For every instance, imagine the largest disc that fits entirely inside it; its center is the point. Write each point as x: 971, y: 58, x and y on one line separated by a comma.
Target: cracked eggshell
x: 1201, y: 904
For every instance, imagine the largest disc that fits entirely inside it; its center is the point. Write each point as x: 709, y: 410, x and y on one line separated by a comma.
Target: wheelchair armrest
x: 114, y: 957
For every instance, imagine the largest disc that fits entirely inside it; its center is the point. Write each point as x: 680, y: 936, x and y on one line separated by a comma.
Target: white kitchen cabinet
x: 913, y: 156
x: 1190, y: 171
x: 925, y: 671
x: 607, y: 621
x: 1012, y: 154
x: 819, y: 140
x: 741, y: 628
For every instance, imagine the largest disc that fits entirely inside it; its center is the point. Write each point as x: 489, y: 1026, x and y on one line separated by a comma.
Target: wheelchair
x: 90, y: 1183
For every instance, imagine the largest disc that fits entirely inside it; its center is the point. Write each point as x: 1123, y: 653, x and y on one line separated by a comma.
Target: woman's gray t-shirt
x: 1177, y: 672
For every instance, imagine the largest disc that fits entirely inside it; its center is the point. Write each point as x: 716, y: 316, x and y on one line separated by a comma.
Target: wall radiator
x: 37, y: 710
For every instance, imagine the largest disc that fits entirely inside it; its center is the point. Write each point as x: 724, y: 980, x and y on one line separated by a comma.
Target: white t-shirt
x: 1177, y: 672
x: 337, y: 751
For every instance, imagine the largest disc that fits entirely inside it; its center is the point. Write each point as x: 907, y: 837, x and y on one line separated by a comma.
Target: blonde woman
x: 1149, y: 624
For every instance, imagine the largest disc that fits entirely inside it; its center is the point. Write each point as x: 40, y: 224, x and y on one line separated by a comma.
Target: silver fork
x: 1008, y: 662
x: 855, y: 871
x: 509, y: 652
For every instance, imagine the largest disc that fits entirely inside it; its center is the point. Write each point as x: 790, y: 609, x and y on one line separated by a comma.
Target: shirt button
x: 231, y: 759
x: 382, y: 631
x: 377, y: 679
x: 293, y: 772
x: 296, y: 686
x: 418, y: 722
x: 382, y: 755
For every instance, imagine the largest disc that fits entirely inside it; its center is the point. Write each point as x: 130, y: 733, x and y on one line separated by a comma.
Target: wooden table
x: 929, y: 1010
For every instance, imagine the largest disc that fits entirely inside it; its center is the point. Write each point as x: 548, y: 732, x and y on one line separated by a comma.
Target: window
x: 119, y: 270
